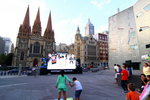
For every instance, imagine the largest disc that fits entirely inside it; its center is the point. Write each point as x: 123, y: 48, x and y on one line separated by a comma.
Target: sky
x: 67, y: 15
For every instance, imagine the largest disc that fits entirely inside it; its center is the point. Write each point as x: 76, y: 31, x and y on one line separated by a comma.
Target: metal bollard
x: 1, y: 73
x: 4, y: 73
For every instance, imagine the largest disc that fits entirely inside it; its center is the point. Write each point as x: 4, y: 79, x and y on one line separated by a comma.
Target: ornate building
x: 31, y: 46
x: 86, y: 49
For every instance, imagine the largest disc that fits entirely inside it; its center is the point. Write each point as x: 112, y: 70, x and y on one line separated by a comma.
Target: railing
x: 8, y: 73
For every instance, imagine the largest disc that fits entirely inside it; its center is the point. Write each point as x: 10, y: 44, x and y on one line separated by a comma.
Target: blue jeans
x: 78, y: 93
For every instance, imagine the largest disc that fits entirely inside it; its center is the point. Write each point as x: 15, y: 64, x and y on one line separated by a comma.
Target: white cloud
x: 65, y: 29
x: 99, y: 4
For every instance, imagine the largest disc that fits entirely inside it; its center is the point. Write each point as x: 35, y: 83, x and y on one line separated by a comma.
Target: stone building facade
x: 86, y: 49
x: 142, y: 18
x: 123, y: 40
x: 31, y: 46
x: 129, y: 38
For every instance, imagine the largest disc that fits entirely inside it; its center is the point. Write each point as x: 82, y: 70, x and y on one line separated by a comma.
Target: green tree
x: 9, y: 58
x: 2, y: 59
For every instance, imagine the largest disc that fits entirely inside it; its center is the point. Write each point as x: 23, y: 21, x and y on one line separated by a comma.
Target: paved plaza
x: 97, y: 86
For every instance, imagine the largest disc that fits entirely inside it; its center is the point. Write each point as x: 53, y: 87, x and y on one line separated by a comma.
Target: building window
x: 134, y: 47
x: 36, y: 48
x: 41, y: 49
x: 22, y: 56
x: 139, y: 14
x: 132, y: 34
x: 147, y: 7
x: 143, y: 28
x: 148, y: 46
x: 30, y: 48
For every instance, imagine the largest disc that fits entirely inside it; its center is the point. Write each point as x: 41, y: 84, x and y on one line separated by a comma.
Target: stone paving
x: 96, y: 86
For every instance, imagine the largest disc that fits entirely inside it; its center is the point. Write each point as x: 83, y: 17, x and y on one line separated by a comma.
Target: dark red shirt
x: 124, y: 74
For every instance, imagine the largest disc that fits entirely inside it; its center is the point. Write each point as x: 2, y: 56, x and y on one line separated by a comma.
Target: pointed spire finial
x: 26, y: 18
x: 49, y: 33
x: 37, y: 20
x: 78, y: 30
x: 37, y: 24
x: 49, y: 23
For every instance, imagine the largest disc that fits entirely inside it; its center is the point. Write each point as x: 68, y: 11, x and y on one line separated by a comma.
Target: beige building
x: 31, y: 46
x: 129, y: 35
x: 62, y: 47
x: 142, y: 18
x: 71, y: 49
x: 123, y: 41
x: 86, y: 49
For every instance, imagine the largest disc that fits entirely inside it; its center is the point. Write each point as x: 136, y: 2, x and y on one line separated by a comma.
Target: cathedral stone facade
x: 31, y: 46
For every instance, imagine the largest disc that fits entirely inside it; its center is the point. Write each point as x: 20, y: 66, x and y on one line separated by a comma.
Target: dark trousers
x: 124, y: 84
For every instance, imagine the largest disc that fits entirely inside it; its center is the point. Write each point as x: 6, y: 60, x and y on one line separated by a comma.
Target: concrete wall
x: 142, y: 18
x: 123, y: 42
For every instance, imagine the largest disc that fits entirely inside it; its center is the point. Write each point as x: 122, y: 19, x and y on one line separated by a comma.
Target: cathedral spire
x: 49, y: 23
x: 78, y: 30
x: 37, y: 20
x: 36, y: 30
x: 49, y: 33
x: 26, y: 21
x: 25, y: 29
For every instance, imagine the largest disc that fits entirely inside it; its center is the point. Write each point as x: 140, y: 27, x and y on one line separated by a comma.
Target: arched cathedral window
x: 36, y: 48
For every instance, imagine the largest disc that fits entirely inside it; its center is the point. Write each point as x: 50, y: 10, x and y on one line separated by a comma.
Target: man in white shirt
x: 78, y: 88
x: 116, y: 68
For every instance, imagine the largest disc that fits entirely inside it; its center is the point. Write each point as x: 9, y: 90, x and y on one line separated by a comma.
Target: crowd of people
x: 132, y: 92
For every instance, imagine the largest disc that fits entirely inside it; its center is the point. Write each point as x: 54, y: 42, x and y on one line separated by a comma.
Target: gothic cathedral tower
x: 32, y: 46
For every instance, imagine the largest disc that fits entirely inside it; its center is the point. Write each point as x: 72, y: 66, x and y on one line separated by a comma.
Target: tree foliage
x: 6, y: 60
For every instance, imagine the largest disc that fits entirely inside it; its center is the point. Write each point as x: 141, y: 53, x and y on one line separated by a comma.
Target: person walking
x: 61, y: 85
x: 78, y: 88
x: 116, y: 68
x: 124, y: 78
x: 34, y: 71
